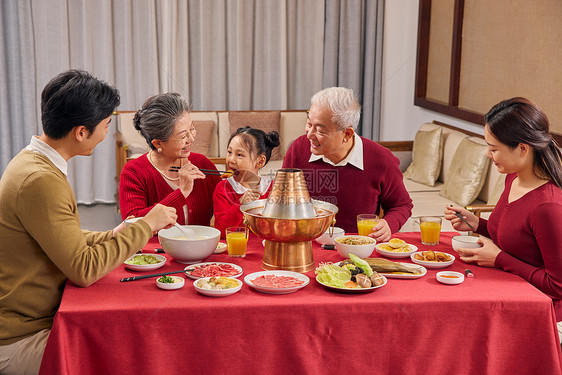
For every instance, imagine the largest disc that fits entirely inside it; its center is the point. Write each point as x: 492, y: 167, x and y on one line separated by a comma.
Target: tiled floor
x: 99, y: 216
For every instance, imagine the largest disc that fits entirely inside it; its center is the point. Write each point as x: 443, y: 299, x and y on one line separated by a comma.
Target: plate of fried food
x: 396, y: 248
x: 432, y: 259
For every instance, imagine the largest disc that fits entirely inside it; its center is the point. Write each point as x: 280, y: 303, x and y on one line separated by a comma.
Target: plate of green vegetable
x: 354, y: 278
x: 145, y: 262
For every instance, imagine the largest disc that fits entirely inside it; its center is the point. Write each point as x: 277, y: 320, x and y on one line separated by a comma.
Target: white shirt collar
x: 239, y: 189
x: 355, y: 156
x: 37, y: 145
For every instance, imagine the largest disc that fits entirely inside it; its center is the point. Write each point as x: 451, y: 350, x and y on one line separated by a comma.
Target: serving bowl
x: 465, y: 242
x: 186, y: 249
x: 216, y: 292
x: 177, y: 284
x: 161, y: 260
x: 362, y: 251
x: 326, y: 239
x: 395, y: 253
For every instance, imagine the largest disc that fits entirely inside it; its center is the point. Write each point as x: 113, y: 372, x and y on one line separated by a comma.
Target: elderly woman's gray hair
x: 343, y: 104
x: 158, y: 115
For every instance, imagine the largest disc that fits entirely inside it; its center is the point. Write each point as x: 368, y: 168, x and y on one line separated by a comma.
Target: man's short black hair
x: 75, y: 98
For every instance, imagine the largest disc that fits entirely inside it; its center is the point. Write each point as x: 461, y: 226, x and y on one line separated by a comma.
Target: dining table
x: 492, y: 323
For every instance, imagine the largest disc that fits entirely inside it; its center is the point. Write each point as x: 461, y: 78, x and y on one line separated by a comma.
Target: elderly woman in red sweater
x: 354, y: 173
x: 165, y: 123
x: 525, y: 226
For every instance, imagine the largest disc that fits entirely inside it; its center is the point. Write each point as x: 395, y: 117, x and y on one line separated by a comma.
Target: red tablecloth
x: 493, y: 323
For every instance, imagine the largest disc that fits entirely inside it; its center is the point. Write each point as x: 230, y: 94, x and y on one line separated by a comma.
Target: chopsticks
x: 212, y: 172
x: 153, y: 275
x: 462, y: 218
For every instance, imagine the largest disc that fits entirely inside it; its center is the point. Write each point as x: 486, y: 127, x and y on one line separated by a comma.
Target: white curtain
x: 221, y: 54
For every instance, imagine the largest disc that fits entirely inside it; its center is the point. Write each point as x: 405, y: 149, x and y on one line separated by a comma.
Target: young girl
x: 525, y: 226
x: 248, y: 151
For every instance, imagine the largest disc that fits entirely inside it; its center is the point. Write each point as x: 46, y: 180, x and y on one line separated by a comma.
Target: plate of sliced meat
x: 210, y: 269
x: 277, y: 282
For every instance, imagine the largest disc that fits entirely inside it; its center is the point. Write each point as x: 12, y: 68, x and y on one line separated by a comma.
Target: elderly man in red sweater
x: 340, y: 167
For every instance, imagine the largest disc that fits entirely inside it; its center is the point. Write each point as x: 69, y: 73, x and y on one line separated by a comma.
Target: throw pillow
x: 202, y: 142
x: 427, y: 154
x: 266, y: 121
x: 467, y: 172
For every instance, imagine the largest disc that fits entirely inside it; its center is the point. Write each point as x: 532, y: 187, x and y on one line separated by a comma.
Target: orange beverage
x: 365, y: 223
x: 236, y: 241
x: 430, y: 228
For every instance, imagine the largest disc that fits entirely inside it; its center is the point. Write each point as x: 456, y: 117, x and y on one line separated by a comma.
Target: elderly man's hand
x: 381, y: 231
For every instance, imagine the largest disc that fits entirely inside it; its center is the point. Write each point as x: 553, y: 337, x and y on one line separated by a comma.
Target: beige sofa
x: 428, y: 200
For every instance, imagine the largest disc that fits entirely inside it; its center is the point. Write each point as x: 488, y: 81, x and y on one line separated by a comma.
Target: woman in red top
x: 248, y: 151
x: 165, y: 123
x: 525, y: 227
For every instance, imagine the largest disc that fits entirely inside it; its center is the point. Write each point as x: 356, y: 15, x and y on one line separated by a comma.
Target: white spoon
x: 188, y: 232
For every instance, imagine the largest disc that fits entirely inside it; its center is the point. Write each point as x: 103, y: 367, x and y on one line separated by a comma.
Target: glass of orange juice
x: 365, y: 223
x: 236, y: 240
x: 430, y: 227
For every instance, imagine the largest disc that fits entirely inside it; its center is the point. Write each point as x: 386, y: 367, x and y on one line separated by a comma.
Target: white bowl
x: 362, y: 251
x: 449, y: 277
x: 146, y: 267
x: 326, y: 239
x: 465, y: 242
x: 179, y: 283
x: 189, y: 250
x: 216, y: 292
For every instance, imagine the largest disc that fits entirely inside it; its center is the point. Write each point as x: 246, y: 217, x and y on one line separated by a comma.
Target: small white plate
x: 407, y: 275
x: 205, y: 264
x: 146, y: 267
x: 449, y: 277
x: 179, y: 283
x: 354, y: 290
x: 216, y: 292
x: 433, y: 264
x: 221, y: 248
x: 248, y: 280
x: 395, y: 254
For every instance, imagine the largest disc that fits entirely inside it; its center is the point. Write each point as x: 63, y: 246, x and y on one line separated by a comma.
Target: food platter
x: 216, y: 292
x: 353, y: 290
x: 434, y: 265
x: 395, y: 254
x: 146, y: 267
x: 248, y: 280
x: 221, y: 248
x: 406, y: 275
x: 205, y: 264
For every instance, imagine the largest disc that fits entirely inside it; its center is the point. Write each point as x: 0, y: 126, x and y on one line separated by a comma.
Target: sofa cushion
x: 427, y: 154
x: 467, y: 172
x: 202, y: 143
x: 266, y: 121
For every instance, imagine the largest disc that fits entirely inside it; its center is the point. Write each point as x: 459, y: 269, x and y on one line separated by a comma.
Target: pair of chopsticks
x: 154, y: 275
x: 212, y: 172
x: 458, y: 214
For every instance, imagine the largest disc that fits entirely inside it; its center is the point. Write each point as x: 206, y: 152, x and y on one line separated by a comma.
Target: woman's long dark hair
x: 519, y: 120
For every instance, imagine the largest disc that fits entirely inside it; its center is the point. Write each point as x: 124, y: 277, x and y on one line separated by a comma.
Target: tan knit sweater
x: 41, y: 245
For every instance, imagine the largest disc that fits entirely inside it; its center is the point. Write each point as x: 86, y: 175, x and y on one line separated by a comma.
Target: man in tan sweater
x: 41, y: 243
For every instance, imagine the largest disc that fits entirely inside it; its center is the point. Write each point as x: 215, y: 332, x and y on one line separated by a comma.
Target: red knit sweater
x: 141, y: 187
x: 226, y: 206
x: 355, y: 191
x: 529, y: 233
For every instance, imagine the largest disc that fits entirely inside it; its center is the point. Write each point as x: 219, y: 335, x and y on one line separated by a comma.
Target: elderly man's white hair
x: 343, y: 104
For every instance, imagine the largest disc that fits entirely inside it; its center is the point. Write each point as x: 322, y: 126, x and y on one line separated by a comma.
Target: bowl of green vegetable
x: 170, y: 282
x: 145, y: 262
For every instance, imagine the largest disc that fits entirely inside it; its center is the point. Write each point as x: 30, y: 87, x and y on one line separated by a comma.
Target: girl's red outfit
x: 226, y: 203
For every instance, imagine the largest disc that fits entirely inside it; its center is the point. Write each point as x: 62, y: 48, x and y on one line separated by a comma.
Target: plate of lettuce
x: 354, y: 278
